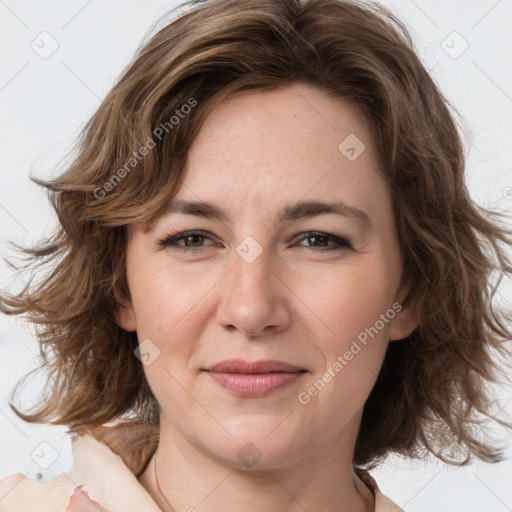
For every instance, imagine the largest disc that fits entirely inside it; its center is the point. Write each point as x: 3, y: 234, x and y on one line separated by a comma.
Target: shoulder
x: 106, y: 461
x: 382, y: 503
x: 134, y: 442
x: 18, y: 493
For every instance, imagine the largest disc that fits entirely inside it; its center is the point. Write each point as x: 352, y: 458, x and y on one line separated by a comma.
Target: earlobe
x: 403, y: 324
x: 125, y: 317
x: 406, y: 319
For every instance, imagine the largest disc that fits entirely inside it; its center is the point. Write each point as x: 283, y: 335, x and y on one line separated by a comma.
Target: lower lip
x: 254, y: 385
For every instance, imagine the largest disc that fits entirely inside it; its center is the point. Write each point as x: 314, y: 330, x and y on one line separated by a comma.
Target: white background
x: 44, y: 102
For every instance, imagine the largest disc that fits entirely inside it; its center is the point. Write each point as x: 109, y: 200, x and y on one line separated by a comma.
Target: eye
x: 192, y: 240
x: 320, y: 240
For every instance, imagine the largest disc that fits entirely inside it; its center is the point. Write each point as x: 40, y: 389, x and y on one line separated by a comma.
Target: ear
x: 125, y: 316
x: 405, y: 320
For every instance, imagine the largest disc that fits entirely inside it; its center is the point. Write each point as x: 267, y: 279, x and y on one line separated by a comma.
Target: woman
x: 269, y: 274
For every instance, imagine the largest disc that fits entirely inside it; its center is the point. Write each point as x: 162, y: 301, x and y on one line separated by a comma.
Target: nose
x: 255, y: 298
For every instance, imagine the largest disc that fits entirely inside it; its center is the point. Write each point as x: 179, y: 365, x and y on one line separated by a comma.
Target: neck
x: 181, y: 477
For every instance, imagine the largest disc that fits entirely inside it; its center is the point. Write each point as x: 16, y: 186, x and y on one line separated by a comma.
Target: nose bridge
x: 254, y: 298
x: 252, y: 263
x: 252, y: 272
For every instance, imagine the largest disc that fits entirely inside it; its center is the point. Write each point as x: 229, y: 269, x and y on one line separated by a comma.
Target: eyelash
x: 170, y: 241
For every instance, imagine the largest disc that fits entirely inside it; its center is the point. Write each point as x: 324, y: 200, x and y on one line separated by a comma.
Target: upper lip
x: 241, y: 366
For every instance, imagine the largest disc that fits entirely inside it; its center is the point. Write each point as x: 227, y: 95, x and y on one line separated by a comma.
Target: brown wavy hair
x: 434, y: 388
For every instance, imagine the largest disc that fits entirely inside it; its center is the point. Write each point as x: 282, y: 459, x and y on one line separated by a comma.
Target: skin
x: 80, y: 502
x: 296, y: 302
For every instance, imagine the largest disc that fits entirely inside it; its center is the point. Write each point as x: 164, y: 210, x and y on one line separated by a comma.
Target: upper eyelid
x: 181, y: 235
x: 191, y: 232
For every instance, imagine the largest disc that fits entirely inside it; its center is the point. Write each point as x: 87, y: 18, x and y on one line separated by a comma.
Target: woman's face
x: 296, y: 260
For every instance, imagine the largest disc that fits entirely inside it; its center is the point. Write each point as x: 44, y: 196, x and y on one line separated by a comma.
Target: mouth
x: 254, y: 379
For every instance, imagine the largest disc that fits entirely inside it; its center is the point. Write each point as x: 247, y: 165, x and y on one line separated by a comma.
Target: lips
x: 241, y: 366
x: 254, y: 379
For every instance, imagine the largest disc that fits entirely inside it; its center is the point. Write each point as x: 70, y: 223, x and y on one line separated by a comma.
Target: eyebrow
x: 300, y: 210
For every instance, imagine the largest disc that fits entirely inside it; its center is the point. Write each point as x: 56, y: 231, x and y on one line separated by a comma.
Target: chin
x: 256, y: 443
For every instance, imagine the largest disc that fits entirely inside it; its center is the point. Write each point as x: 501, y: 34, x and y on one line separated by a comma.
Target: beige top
x: 107, y: 461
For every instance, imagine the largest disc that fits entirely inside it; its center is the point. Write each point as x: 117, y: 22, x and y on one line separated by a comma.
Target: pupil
x: 321, y: 239
x: 194, y: 237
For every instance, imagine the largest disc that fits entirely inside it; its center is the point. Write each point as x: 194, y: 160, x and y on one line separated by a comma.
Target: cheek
x: 352, y: 362
x: 353, y: 306
x: 348, y: 301
x: 360, y: 319
x: 171, y: 308
x: 164, y: 297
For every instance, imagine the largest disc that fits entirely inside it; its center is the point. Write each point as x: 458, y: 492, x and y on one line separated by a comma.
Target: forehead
x: 290, y: 123
x: 275, y: 145
x: 259, y: 153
